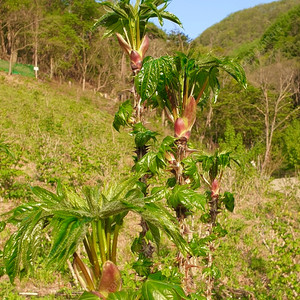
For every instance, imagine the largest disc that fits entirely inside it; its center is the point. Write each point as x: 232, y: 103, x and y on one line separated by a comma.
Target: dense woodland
x: 58, y: 38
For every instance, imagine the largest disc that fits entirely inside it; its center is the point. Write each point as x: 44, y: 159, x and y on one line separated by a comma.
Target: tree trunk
x: 84, y: 69
x: 51, y: 68
x: 83, y: 82
x: 12, y: 60
x: 3, y: 46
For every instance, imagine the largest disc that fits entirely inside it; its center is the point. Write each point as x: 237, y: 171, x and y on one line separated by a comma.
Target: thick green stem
x: 94, y: 261
x: 115, y: 244
x: 101, y: 241
x: 108, y: 238
x: 138, y: 34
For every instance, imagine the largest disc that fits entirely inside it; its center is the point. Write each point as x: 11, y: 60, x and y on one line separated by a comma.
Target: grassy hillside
x: 57, y: 132
x: 244, y: 26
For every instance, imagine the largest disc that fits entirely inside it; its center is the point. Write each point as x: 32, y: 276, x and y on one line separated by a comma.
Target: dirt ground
x: 287, y: 185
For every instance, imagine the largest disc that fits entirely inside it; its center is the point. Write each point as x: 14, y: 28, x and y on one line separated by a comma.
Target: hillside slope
x: 244, y: 26
x: 58, y: 132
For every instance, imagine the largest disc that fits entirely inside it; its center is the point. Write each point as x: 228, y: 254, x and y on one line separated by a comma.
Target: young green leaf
x: 142, y: 266
x: 89, y: 296
x: 2, y: 225
x: 142, y: 135
x: 182, y: 195
x: 123, y: 295
x: 191, y: 170
x: 123, y: 115
x: 153, y: 290
x: 150, y: 162
x: 228, y: 200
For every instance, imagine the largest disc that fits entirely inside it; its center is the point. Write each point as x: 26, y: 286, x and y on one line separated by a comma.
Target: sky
x: 198, y: 15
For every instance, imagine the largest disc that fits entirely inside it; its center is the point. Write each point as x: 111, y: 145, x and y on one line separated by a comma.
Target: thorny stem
x: 181, y: 214
x: 108, y: 237
x: 94, y: 262
x: 210, y: 280
x: 147, y: 248
x: 213, y: 211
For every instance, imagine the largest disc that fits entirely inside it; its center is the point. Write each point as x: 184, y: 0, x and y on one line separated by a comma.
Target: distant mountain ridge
x: 246, y: 26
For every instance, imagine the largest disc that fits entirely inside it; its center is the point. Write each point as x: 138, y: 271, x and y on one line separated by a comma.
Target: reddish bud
x: 136, y: 60
x: 111, y: 281
x: 187, y: 134
x: 189, y: 112
x: 124, y: 45
x: 215, y: 188
x: 181, y: 128
x: 144, y: 46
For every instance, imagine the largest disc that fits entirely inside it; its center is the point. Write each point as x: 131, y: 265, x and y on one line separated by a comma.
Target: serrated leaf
x: 23, y: 245
x: 136, y: 245
x: 67, y: 234
x: 155, y: 234
x: 154, y: 76
x: 45, y: 195
x: 123, y: 115
x: 142, y: 266
x: 158, y: 216
x: 142, y: 135
x: 150, y: 162
x: 188, y: 198
x: 199, y: 247
x: 223, y: 159
x: 191, y: 170
x: 157, y: 194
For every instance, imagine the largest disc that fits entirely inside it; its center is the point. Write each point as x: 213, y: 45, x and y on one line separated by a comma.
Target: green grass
x: 260, y: 255
x: 61, y: 133
x: 17, y: 69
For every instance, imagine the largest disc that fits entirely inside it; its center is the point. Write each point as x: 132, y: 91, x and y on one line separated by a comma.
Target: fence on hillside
x: 20, y: 69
